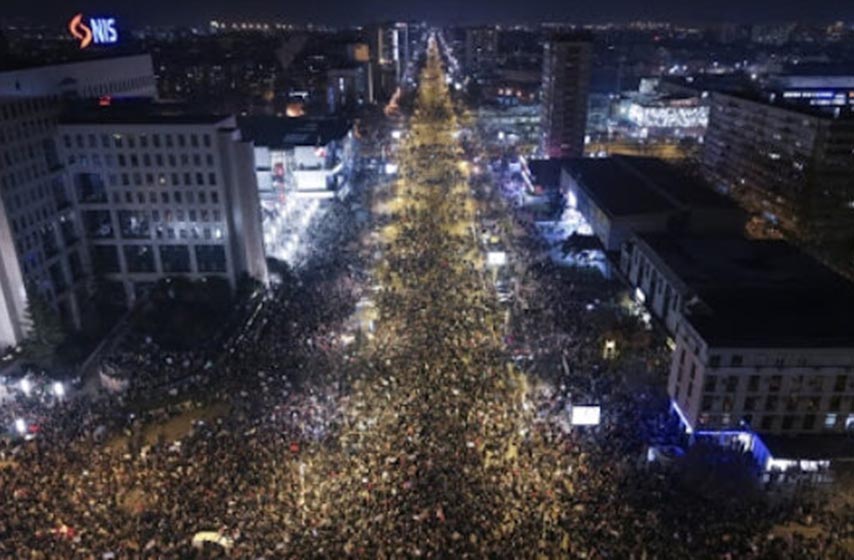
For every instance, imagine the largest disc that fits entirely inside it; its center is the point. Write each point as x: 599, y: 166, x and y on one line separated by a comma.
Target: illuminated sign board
x: 97, y: 30
x: 585, y: 416
x: 496, y: 258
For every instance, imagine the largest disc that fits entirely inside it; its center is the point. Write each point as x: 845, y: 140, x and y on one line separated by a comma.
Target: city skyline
x: 441, y: 12
x: 330, y: 280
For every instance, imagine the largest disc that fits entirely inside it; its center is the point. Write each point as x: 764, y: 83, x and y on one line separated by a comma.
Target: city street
x: 419, y: 387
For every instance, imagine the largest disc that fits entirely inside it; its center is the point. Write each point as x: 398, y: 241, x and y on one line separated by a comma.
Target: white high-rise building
x: 39, y: 237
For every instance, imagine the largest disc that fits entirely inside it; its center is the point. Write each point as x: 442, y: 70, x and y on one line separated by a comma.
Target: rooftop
x: 759, y: 293
x: 545, y: 172
x: 812, y: 81
x: 570, y: 36
x: 813, y: 447
x: 625, y: 186
x: 15, y: 63
x: 135, y: 111
x: 706, y: 82
x: 281, y: 132
x: 615, y: 188
x: 776, y: 100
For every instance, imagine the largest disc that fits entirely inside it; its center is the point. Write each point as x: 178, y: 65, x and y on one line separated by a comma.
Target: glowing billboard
x: 97, y: 30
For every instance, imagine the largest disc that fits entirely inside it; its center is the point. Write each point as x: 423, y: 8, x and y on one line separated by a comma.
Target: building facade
x: 125, y: 76
x: 759, y: 330
x: 391, y: 46
x: 481, y: 50
x: 566, y: 85
x: 770, y: 389
x: 789, y: 164
x: 621, y: 196
x: 348, y: 87
x: 162, y: 195
x: 40, y: 245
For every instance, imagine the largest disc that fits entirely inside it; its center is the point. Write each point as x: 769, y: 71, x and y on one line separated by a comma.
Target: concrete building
x: 390, y: 45
x: 481, y: 50
x: 159, y: 194
x: 517, y: 125
x: 566, y: 85
x: 776, y: 34
x: 348, y: 87
x: 814, y: 90
x: 126, y: 76
x: 763, y: 352
x: 650, y: 116
x: 39, y: 234
x: 620, y: 196
x: 301, y: 164
x: 789, y: 163
x: 510, y: 87
x: 762, y: 332
x: 304, y: 156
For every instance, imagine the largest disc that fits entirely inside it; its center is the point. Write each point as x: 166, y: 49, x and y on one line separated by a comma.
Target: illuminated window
x: 830, y: 421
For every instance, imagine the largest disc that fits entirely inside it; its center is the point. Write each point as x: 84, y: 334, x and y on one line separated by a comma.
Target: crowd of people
x: 418, y: 437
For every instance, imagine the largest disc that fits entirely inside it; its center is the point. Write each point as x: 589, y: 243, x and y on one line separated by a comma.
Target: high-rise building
x: 348, y: 87
x: 161, y: 194
x: 790, y: 163
x: 401, y: 49
x: 481, y: 52
x: 39, y: 235
x: 391, y: 46
x: 125, y: 76
x: 776, y: 34
x: 566, y: 84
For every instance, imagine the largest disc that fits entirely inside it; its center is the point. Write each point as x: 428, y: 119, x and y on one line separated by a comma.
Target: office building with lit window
x: 40, y: 248
x: 481, y: 52
x: 159, y: 194
x: 566, y: 85
x: 390, y: 48
x: 787, y: 162
x: 120, y: 76
x: 762, y: 333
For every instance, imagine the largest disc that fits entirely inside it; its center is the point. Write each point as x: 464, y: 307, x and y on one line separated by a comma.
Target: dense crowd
x: 418, y: 438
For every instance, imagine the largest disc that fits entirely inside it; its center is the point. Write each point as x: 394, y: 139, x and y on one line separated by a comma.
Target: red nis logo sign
x: 100, y: 30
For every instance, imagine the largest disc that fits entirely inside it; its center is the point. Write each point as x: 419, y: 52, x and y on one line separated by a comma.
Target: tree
x: 45, y: 329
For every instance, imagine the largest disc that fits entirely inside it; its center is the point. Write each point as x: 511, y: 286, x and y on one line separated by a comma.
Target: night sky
x: 340, y: 12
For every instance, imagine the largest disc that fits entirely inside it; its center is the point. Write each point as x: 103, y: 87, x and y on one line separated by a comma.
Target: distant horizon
x: 344, y: 13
